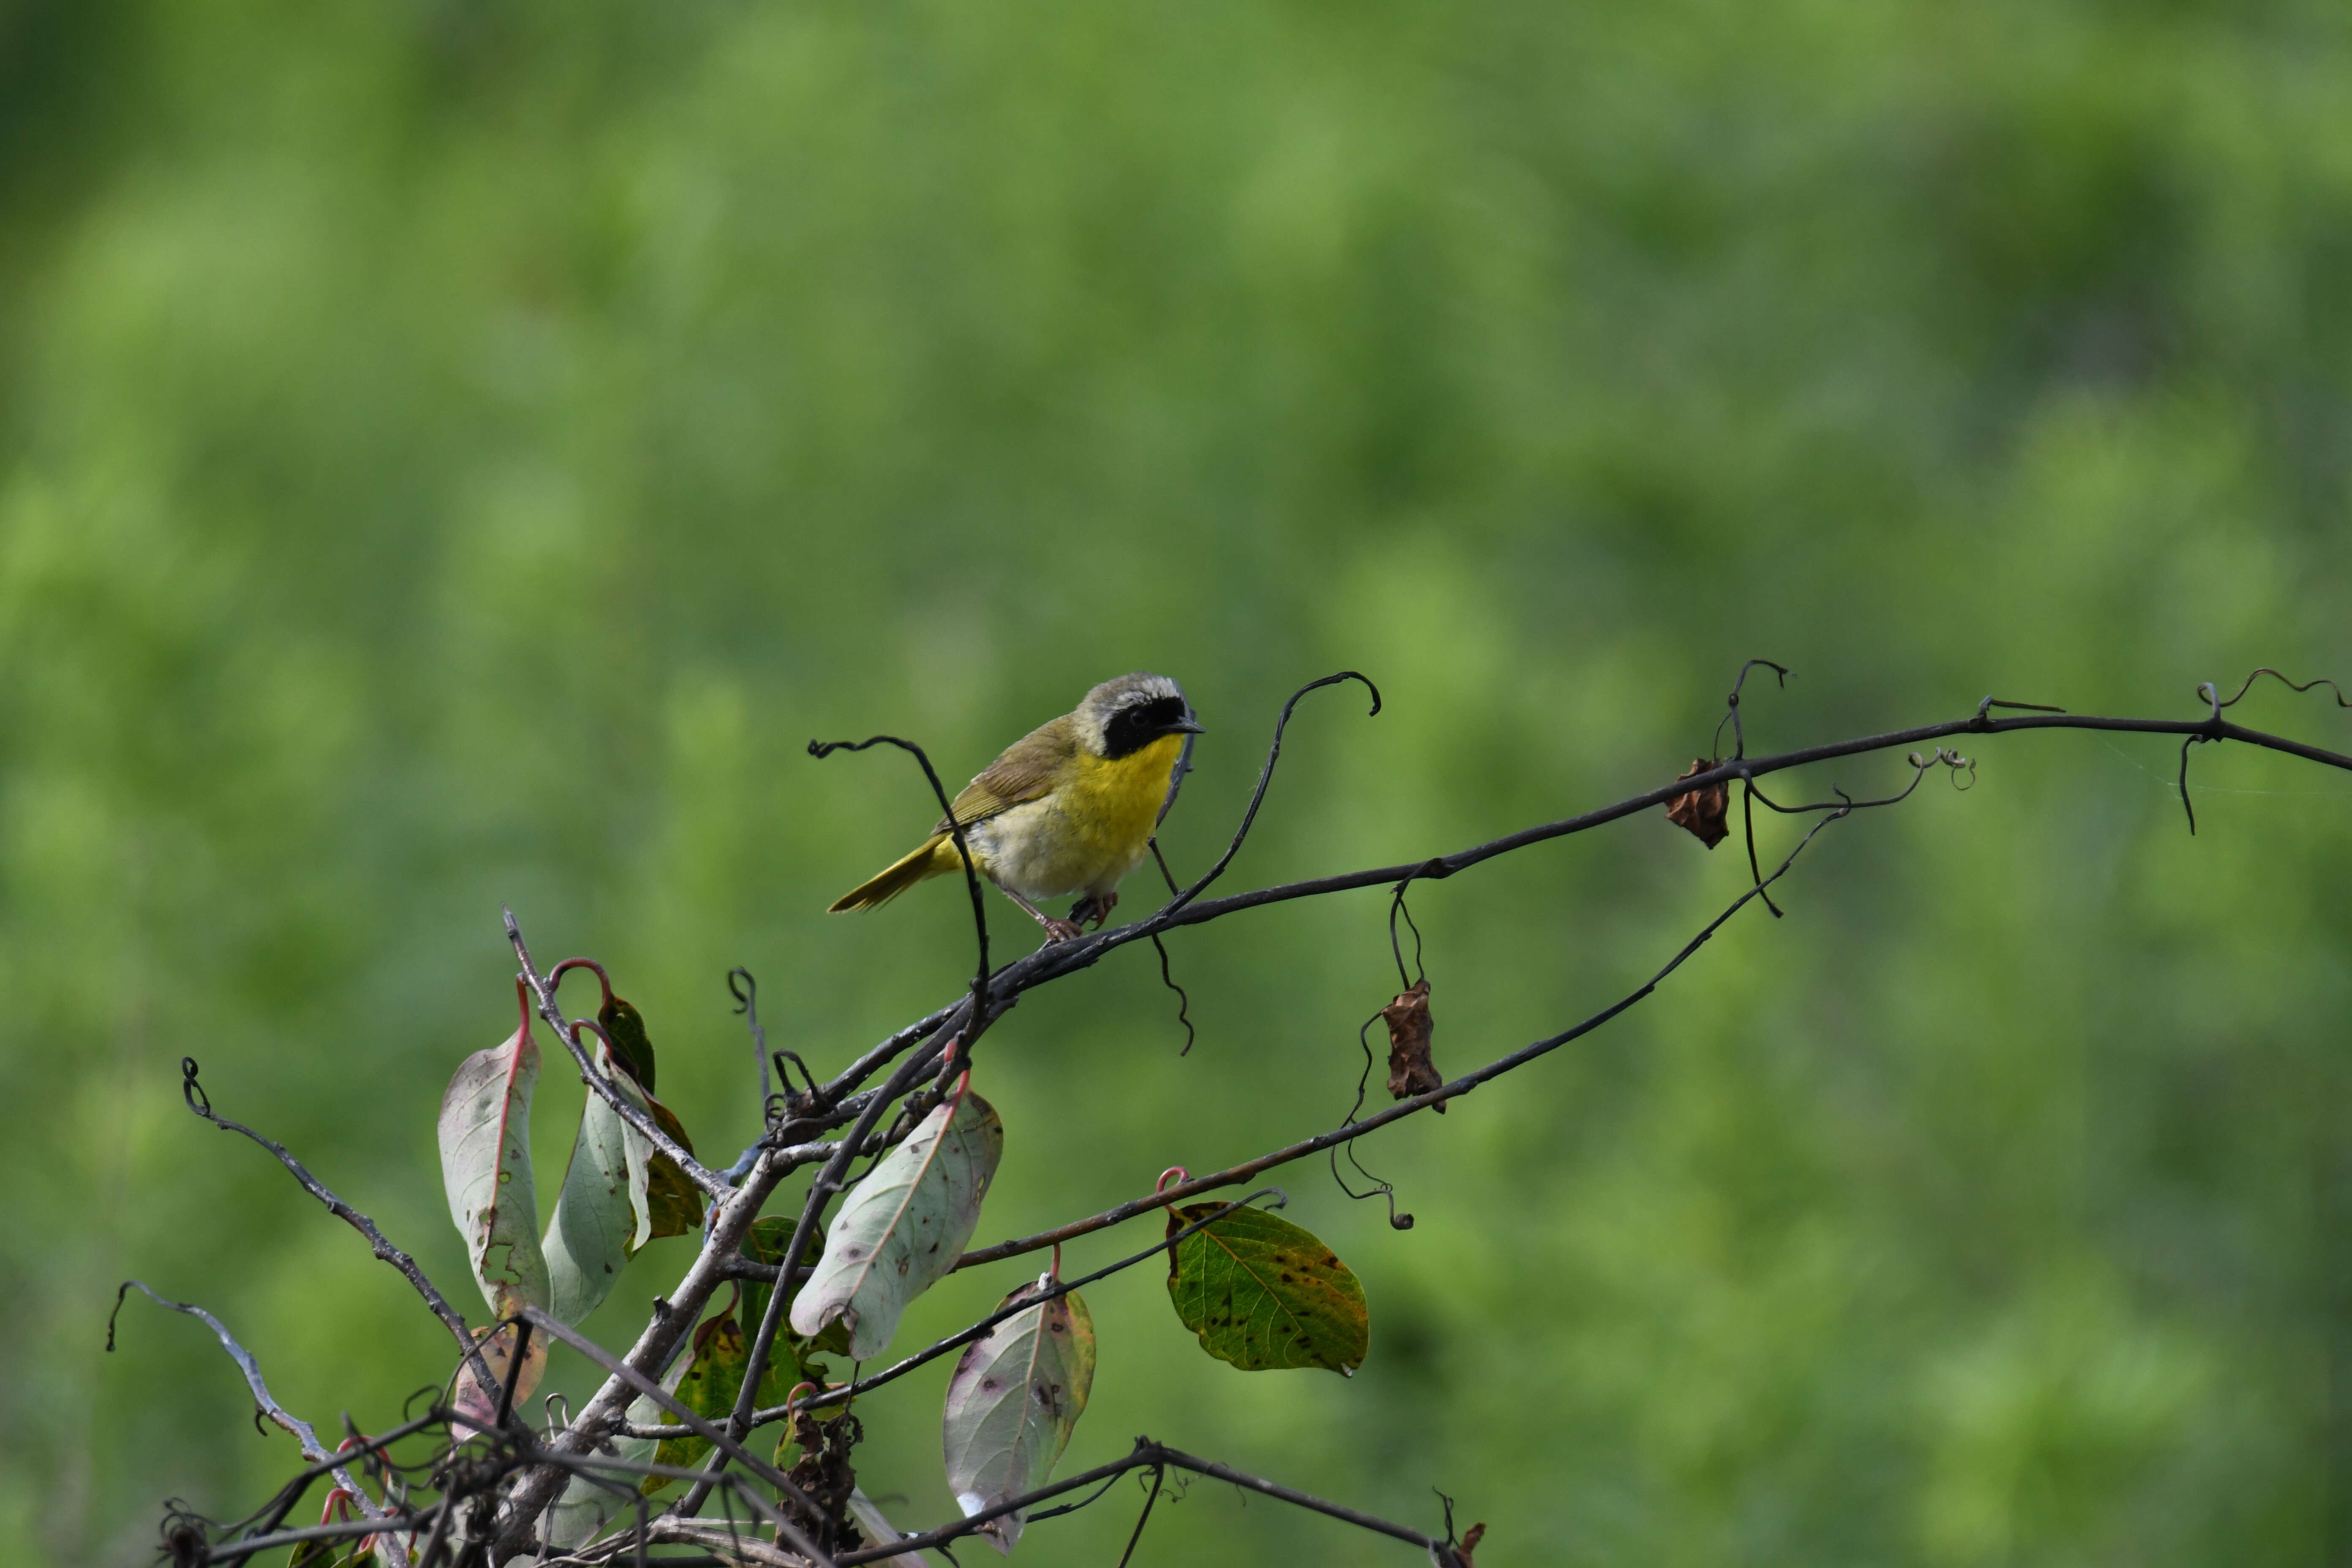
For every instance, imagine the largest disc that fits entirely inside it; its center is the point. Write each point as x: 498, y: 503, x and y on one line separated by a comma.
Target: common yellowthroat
x: 1067, y: 808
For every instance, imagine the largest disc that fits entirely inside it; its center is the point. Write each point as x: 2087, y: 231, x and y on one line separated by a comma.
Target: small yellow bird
x: 1069, y: 809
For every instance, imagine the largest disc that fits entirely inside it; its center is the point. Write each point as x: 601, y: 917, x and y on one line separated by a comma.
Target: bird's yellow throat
x: 1114, y: 800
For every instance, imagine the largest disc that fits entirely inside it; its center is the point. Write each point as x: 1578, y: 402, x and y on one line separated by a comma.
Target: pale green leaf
x: 485, y: 1134
x: 1015, y: 1397
x: 601, y: 1216
x: 902, y: 1227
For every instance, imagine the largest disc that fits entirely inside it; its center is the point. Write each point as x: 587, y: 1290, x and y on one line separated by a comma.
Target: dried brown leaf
x: 1410, y: 1070
x: 1701, y: 811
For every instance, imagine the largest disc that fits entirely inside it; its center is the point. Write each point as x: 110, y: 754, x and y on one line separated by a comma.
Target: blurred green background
x: 459, y: 451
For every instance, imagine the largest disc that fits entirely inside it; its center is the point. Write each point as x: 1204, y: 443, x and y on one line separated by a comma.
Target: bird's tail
x: 876, y: 891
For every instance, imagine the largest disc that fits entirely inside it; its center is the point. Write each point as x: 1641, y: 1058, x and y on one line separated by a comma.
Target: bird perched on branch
x: 1067, y: 808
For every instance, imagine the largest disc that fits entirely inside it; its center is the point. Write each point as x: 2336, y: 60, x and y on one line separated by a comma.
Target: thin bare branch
x: 233, y: 1552
x: 823, y: 748
x: 192, y: 1092
x: 1149, y: 1453
x: 671, y: 1530
x: 2219, y: 702
x: 1265, y: 777
x: 1403, y: 1108
x: 264, y: 1403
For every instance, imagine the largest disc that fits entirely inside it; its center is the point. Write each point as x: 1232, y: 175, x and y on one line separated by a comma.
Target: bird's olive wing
x: 1025, y: 771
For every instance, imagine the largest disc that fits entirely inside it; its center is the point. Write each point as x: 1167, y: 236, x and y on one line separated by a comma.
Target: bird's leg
x: 1055, y: 931
x: 1095, y: 906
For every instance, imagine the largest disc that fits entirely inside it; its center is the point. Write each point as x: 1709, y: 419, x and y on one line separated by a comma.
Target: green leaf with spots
x: 1263, y: 1294
x: 603, y: 1214
x: 765, y: 1244
x: 714, y: 1376
x: 676, y: 1202
x: 712, y: 1380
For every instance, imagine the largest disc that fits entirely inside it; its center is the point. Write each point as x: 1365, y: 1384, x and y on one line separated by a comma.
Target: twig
x: 264, y: 1404
x: 192, y: 1092
x: 354, y: 1449
x: 1158, y: 1474
x: 966, y: 1335
x: 671, y: 1531
x: 828, y: 1182
x: 1403, y: 1108
x: 823, y: 748
x: 701, y: 1175
x: 703, y: 1430
x: 233, y: 1552
x: 2219, y: 703
x: 1257, y: 797
x: 1380, y: 1187
x: 1183, y: 1000
x: 1731, y: 708
x: 747, y: 1002
x: 1146, y: 1452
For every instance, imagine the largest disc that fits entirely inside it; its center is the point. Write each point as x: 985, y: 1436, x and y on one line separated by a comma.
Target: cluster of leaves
x: 619, y: 1191
x: 1261, y: 1293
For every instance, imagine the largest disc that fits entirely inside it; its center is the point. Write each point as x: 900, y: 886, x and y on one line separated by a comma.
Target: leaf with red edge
x: 485, y: 1135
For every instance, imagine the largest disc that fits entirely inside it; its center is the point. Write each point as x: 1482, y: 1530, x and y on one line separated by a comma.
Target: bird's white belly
x: 1036, y: 851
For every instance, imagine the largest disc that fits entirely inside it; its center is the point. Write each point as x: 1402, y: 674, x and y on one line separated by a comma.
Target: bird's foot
x: 1059, y: 930
x: 1095, y: 906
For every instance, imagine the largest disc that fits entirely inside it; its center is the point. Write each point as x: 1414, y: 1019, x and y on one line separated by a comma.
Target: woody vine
x: 745, y: 1406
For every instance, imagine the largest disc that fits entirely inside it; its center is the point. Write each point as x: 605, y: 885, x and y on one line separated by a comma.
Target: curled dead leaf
x: 1410, y: 1070
x: 1701, y: 811
x: 479, y: 1406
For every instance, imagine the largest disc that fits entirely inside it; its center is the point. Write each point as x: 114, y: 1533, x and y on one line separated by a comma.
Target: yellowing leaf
x: 676, y: 1202
x: 712, y: 1380
x: 1265, y: 1294
x: 480, y: 1406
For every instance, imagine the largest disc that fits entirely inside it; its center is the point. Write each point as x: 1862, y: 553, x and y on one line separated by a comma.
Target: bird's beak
x: 1185, y: 727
